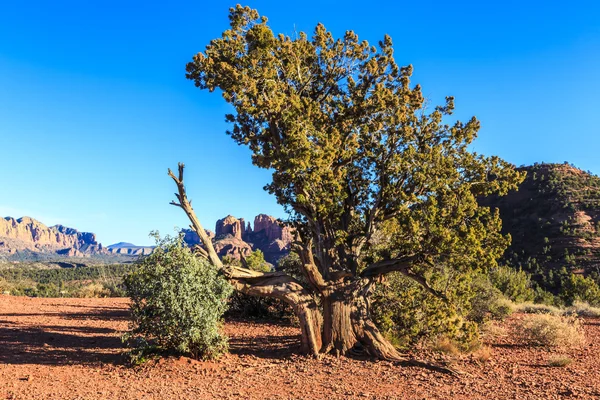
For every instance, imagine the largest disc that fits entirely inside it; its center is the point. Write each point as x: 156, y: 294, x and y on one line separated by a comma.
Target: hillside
x: 554, y: 221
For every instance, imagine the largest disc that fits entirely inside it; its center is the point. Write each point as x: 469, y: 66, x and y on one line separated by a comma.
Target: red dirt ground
x: 70, y: 349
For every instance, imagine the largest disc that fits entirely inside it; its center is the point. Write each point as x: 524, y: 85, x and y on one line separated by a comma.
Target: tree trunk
x: 347, y: 322
x: 338, y: 333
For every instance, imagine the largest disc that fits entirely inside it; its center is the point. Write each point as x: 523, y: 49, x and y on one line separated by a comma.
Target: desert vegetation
x: 63, y: 280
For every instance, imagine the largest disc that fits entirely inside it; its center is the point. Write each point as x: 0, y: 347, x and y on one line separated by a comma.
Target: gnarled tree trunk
x: 342, y: 323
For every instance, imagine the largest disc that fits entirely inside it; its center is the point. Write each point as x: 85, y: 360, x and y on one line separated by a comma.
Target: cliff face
x: 554, y: 222
x: 29, y: 234
x: 234, y: 238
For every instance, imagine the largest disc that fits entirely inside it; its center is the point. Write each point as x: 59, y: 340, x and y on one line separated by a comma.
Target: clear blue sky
x: 94, y: 105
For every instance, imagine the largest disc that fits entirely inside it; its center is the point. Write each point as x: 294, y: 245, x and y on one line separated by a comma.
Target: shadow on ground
x: 62, y: 344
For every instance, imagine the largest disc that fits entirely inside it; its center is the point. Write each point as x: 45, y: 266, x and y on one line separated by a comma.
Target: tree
x: 353, y: 149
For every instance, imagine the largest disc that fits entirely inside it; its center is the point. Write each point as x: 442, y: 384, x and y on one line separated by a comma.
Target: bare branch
x: 386, y: 266
x: 423, y: 282
x: 185, y: 204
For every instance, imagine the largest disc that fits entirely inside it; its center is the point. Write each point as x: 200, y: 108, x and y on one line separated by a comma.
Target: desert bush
x: 532, y: 308
x: 256, y: 262
x: 559, y: 361
x: 91, y: 290
x: 542, y: 296
x: 177, y: 304
x: 488, y: 302
x: 581, y: 289
x: 551, y: 330
x: 514, y: 284
x: 582, y: 309
x: 491, y: 331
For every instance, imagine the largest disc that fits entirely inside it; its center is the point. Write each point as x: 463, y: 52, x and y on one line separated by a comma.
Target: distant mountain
x: 121, y: 245
x: 130, y: 249
x: 29, y: 235
x: 554, y: 221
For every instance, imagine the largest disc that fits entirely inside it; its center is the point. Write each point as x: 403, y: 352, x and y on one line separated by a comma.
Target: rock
x: 232, y: 247
x: 234, y: 238
x: 230, y: 225
x: 28, y: 234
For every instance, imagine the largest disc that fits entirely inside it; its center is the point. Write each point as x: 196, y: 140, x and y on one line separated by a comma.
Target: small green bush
x: 581, y: 289
x: 514, y: 284
x: 177, y: 304
x: 488, y: 302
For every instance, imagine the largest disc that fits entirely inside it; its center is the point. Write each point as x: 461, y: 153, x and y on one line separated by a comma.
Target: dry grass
x: 559, y: 361
x: 92, y: 290
x: 551, y: 330
x: 446, y: 346
x: 483, y: 354
x: 531, y: 308
x: 491, y: 331
x: 583, y: 310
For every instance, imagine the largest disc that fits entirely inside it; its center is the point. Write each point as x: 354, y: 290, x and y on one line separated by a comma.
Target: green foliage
x: 246, y: 306
x: 177, y: 302
x: 488, y: 302
x: 581, y: 289
x: 38, y: 281
x: 256, y: 261
x: 514, y: 284
x: 406, y: 313
x: 351, y: 145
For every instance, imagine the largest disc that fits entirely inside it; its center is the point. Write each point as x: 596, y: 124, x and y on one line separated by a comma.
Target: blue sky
x: 94, y: 105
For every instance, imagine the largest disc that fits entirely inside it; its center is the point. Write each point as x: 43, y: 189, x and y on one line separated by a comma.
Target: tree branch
x: 196, y: 225
x: 386, y: 266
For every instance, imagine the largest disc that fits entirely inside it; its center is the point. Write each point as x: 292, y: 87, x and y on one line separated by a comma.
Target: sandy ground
x: 70, y: 349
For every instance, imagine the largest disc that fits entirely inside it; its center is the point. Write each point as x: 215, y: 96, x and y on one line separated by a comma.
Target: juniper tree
x: 352, y: 148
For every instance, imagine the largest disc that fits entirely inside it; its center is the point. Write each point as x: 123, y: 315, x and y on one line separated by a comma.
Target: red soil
x: 70, y: 349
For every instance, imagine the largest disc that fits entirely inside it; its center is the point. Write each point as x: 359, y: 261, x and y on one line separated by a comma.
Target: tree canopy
x: 373, y: 178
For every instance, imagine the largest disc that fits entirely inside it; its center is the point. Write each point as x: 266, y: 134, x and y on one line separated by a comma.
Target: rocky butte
x: 28, y: 234
x: 234, y: 238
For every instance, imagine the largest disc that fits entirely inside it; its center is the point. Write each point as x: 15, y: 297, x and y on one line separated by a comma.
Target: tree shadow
x: 265, y: 346
x: 47, y: 346
x: 63, y: 342
x: 99, y: 314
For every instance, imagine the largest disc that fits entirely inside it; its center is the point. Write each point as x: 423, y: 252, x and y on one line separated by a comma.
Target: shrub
x: 579, y: 288
x: 488, y: 302
x: 531, y: 308
x: 256, y: 262
x: 177, y: 303
x: 551, y: 330
x: 406, y: 314
x: 92, y: 290
x: 559, y: 361
x: 514, y: 284
x: 584, y: 310
x: 491, y: 331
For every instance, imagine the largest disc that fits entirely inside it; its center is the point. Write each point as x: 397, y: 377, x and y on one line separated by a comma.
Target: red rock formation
x: 274, y: 231
x: 232, y: 247
x: 230, y: 225
x: 28, y: 234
